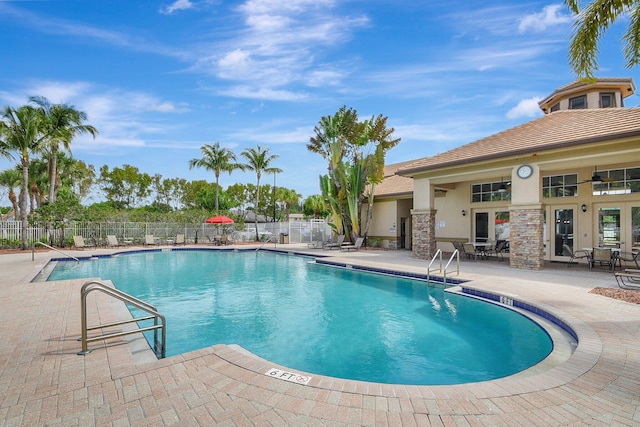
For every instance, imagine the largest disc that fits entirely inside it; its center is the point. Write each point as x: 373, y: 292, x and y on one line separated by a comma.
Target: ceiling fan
x: 597, y: 179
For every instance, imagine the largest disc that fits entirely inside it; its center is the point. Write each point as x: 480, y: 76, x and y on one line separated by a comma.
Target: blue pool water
x: 323, y: 320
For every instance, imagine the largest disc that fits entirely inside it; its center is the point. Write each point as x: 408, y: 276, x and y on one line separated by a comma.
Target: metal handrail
x: 95, y: 285
x: 456, y: 254
x: 438, y: 252
x: 275, y: 242
x: 33, y: 251
x: 438, y: 255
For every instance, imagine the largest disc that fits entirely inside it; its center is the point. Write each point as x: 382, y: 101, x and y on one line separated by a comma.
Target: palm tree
x: 61, y: 124
x: 12, y: 178
x: 20, y: 130
x: 216, y: 159
x: 259, y: 160
x: 591, y: 22
x: 290, y: 198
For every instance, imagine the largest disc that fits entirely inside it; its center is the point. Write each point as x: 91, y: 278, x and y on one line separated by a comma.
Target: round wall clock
x: 525, y: 171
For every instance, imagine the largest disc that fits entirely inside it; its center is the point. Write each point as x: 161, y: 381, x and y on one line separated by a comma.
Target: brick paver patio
x: 44, y: 382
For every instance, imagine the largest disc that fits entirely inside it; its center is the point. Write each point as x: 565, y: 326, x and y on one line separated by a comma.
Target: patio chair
x: 150, y: 240
x: 354, y: 247
x: 498, y: 250
x: 628, y: 257
x: 575, y: 255
x: 603, y: 257
x: 79, y: 243
x: 334, y: 245
x: 112, y: 240
x: 628, y: 279
x: 225, y: 240
x: 472, y: 251
x: 180, y: 239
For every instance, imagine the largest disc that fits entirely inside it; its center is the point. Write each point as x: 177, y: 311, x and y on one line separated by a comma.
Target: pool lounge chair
x: 628, y: 279
x: 112, y: 240
x: 150, y: 240
x: 334, y: 245
x: 575, y: 255
x: 79, y: 243
x: 354, y: 247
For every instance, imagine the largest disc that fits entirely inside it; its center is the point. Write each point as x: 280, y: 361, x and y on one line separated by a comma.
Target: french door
x: 561, y: 222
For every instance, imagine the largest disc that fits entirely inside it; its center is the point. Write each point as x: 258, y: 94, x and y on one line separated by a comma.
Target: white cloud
x: 264, y: 93
x: 177, y: 5
x: 525, y: 108
x: 550, y: 15
x: 278, y: 48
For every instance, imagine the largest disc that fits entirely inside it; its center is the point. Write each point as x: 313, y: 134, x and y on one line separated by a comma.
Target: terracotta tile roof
x: 564, y: 128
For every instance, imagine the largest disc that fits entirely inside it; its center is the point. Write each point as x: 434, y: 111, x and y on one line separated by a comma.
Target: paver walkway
x: 44, y: 382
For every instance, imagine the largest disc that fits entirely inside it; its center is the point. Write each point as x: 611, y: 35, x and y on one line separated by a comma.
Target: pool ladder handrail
x: 269, y: 240
x: 438, y: 255
x: 159, y: 321
x: 33, y: 251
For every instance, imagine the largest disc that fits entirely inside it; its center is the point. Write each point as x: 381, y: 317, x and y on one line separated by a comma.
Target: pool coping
x: 44, y: 382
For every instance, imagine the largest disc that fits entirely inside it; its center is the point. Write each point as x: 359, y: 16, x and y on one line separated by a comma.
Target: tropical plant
x: 259, y: 160
x: 355, y: 153
x: 21, y: 132
x: 217, y: 159
x: 11, y: 179
x: 289, y: 198
x: 592, y: 22
x: 60, y: 123
x: 314, y: 206
x: 125, y: 187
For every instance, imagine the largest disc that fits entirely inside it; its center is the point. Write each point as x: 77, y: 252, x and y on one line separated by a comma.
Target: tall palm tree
x: 591, y: 23
x: 20, y: 130
x: 259, y: 160
x: 61, y: 124
x: 217, y: 159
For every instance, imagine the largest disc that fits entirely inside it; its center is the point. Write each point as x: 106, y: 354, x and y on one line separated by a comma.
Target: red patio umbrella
x: 219, y: 219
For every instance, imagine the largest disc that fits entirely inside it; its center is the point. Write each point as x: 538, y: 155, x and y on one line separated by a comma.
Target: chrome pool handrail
x: 33, y: 251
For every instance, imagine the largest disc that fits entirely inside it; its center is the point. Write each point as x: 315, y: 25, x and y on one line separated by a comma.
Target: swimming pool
x: 323, y: 320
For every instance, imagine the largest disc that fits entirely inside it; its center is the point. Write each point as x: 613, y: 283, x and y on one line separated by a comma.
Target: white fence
x: 296, y: 232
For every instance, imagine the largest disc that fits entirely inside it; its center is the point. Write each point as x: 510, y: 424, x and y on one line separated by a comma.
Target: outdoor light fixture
x: 464, y: 213
x: 584, y: 207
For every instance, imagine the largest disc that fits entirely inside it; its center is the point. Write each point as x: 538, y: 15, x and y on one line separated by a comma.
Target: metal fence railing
x: 297, y: 231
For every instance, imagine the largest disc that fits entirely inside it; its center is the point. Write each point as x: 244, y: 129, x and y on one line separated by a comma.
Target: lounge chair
x: 354, y: 247
x: 497, y: 250
x: 628, y: 279
x: 334, y: 245
x: 575, y: 255
x: 112, y: 240
x: 603, y: 257
x: 150, y: 240
x: 226, y: 240
x: 79, y: 243
x: 180, y: 240
x: 628, y: 257
x: 472, y: 251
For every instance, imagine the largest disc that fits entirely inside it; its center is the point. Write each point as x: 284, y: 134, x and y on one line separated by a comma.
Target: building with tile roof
x: 565, y: 181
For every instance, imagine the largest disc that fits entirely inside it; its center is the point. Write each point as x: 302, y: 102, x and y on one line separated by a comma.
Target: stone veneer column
x: 423, y: 233
x: 526, y: 238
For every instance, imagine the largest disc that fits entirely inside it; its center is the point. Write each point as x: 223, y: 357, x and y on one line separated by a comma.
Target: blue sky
x: 161, y: 78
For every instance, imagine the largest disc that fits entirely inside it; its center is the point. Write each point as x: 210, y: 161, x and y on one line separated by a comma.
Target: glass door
x: 482, y: 226
x: 609, y: 231
x: 562, y: 231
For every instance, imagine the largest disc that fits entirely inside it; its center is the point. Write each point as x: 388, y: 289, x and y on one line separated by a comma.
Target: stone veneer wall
x: 423, y: 233
x: 526, y: 238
